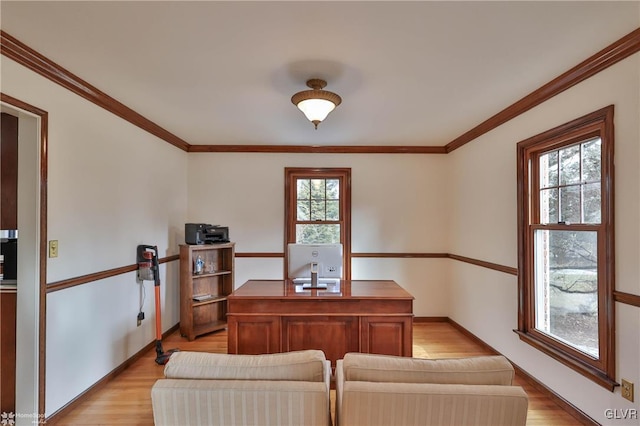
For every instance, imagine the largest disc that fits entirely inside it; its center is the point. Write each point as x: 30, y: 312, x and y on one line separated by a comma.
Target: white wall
x: 484, y: 227
x: 111, y: 186
x: 400, y: 203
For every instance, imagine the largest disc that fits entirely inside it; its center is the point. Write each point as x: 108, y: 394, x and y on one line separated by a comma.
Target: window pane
x: 592, y: 203
x: 317, y: 210
x: 333, y: 189
x: 317, y: 234
x: 303, y: 189
x: 566, y: 287
x: 303, y: 210
x: 570, y: 209
x: 591, y: 154
x: 317, y: 189
x: 570, y: 165
x: 333, y: 210
x: 549, y: 170
x: 549, y: 205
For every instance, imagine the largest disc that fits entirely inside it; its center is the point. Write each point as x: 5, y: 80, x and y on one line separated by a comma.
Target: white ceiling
x: 409, y: 73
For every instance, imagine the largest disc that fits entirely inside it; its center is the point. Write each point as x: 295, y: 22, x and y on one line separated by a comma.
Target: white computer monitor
x: 327, y: 256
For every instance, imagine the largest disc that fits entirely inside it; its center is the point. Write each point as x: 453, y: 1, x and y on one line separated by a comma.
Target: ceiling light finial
x: 316, y: 104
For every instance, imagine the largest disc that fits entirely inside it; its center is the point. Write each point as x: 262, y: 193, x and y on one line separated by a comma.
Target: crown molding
x: 321, y: 149
x: 610, y: 55
x: 29, y: 58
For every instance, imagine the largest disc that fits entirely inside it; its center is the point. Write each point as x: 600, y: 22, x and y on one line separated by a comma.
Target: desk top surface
x: 360, y: 289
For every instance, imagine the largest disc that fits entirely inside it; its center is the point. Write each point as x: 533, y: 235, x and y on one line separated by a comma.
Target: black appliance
x: 9, y: 249
x: 203, y: 233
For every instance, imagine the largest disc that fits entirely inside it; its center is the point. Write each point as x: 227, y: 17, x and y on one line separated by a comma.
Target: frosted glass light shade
x: 316, y: 109
x: 316, y: 104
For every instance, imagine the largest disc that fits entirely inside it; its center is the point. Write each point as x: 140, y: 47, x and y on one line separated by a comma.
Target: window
x: 318, y: 208
x: 566, y: 262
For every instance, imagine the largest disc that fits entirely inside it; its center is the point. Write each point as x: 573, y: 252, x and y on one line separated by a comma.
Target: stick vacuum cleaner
x: 149, y: 269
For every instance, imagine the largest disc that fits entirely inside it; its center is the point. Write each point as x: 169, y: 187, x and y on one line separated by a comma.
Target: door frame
x: 42, y: 119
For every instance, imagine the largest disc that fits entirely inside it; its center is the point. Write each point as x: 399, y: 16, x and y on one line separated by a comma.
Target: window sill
x: 576, y: 364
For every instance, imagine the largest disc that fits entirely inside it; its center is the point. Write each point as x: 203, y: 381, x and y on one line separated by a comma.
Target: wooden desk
x: 361, y: 316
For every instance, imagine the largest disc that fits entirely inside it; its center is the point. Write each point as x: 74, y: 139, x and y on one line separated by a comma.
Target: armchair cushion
x: 484, y: 370
x: 307, y: 365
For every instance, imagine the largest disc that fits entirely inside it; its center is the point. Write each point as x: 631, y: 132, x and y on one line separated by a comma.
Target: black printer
x: 203, y: 233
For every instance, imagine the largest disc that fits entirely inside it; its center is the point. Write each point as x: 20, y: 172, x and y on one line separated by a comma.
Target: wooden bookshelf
x: 203, y: 296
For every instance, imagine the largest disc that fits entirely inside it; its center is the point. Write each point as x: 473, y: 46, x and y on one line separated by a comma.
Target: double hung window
x: 317, y: 208
x: 566, y: 262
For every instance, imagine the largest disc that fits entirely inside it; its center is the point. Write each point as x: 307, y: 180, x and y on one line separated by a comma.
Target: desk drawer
x: 320, y: 306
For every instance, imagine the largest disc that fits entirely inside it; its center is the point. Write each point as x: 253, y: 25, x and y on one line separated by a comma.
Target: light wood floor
x: 126, y: 400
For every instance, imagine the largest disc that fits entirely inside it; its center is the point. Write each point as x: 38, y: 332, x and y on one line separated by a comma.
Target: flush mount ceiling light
x: 316, y: 104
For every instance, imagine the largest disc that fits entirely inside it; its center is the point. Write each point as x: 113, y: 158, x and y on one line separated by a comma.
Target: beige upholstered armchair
x: 378, y: 390
x: 218, y: 389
